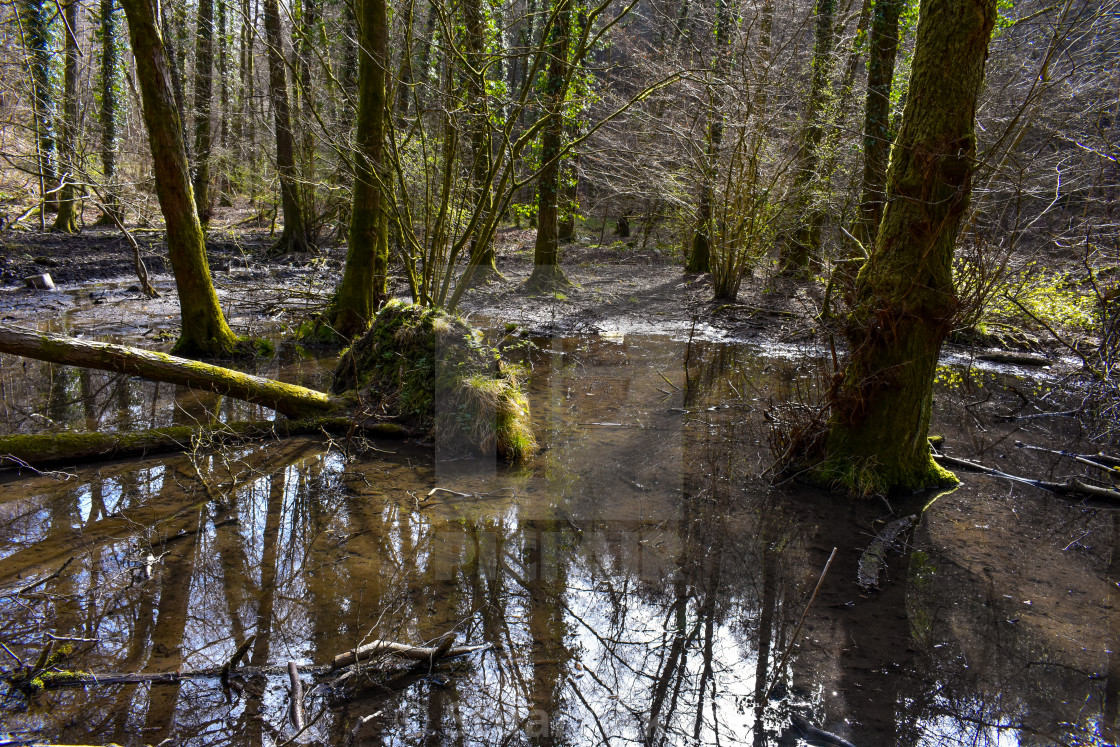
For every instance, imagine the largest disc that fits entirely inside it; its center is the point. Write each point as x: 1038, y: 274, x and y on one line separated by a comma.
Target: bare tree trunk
x: 364, y: 284
x: 546, y: 270
x: 905, y: 295
x: 803, y: 246
x: 699, y: 251
x: 203, y: 91
x: 877, y: 136
x: 477, y: 54
x: 204, y: 329
x: 67, y: 219
x: 294, y: 238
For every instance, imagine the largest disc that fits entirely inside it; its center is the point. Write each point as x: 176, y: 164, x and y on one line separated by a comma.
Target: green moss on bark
x: 877, y: 439
x: 434, y: 372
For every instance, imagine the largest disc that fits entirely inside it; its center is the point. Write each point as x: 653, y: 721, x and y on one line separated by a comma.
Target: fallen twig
x: 42, y: 581
x: 1079, y: 458
x: 797, y: 630
x: 234, y: 660
x: 1072, y: 485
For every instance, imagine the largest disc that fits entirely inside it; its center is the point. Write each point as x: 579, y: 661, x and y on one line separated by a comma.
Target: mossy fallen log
x: 419, y: 367
x: 47, y: 449
x: 287, y: 399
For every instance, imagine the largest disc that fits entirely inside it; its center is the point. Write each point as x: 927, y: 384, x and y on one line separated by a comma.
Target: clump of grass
x: 434, y: 372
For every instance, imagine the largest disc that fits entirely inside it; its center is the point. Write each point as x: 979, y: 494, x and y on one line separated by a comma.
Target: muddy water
x: 638, y: 582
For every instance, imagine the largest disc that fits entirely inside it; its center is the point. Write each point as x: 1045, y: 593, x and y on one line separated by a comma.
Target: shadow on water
x: 638, y: 582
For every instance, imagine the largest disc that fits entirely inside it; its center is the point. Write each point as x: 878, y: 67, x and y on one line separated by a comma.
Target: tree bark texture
x: 203, y: 90
x: 546, y: 269
x: 67, y: 219
x: 287, y: 399
x: 205, y: 332
x: 876, y: 122
x: 364, y: 284
x: 294, y: 236
x: 881, y: 405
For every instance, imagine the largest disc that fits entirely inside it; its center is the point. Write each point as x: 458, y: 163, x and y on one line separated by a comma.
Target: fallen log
x: 442, y: 649
x: 1072, y: 486
x: 287, y: 399
x: 43, y: 449
x: 425, y: 368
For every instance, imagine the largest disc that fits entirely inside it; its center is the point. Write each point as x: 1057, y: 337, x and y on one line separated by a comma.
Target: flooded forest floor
x: 645, y: 579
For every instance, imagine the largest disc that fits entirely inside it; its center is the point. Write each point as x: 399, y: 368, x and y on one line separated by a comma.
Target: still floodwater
x: 637, y: 582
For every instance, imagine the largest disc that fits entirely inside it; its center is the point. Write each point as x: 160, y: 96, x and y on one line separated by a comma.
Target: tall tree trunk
x: 67, y: 219
x: 110, y: 106
x: 294, y: 238
x: 309, y: 22
x: 700, y: 250
x: 203, y: 90
x: 364, y: 285
x: 876, y: 122
x: 803, y: 246
x: 404, y: 77
x: 905, y: 296
x: 173, y: 25
x: 36, y: 17
x: 476, y: 58
x: 546, y: 270
x: 224, y: 163
x: 204, y: 332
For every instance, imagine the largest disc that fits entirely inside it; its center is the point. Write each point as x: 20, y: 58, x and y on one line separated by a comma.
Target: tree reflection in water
x: 638, y: 582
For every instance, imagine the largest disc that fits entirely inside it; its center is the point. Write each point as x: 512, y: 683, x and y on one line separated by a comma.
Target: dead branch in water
x: 1072, y: 486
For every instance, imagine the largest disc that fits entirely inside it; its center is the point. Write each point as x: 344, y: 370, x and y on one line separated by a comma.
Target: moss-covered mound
x: 434, y: 372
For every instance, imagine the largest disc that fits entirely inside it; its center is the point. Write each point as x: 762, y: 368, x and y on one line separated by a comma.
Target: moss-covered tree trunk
x: 364, y: 285
x: 546, y: 268
x: 802, y: 246
x: 67, y: 219
x: 108, y: 112
x: 876, y: 121
x: 205, y: 332
x: 294, y: 237
x: 905, y: 296
x: 203, y: 90
x: 37, y: 40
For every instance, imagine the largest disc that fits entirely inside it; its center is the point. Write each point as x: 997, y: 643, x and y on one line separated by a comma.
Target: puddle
x: 637, y: 582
